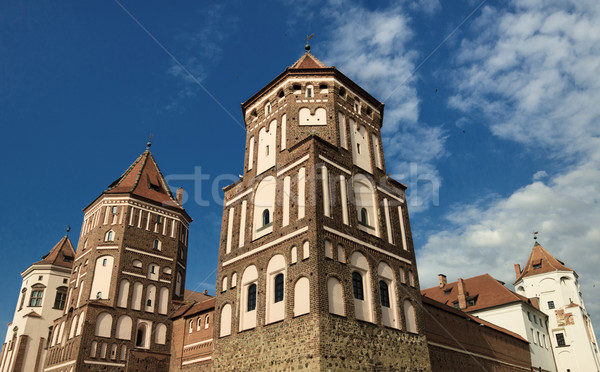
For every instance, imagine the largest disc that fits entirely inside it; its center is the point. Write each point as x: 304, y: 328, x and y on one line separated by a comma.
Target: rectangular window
x: 357, y: 286
x: 533, y: 336
x: 104, y: 261
x: 384, y: 293
x: 550, y: 304
x: 251, y: 297
x: 279, y: 288
x: 59, y: 300
x: 538, y: 338
x: 36, y: 298
x: 560, y: 339
x: 529, y: 316
x: 114, y: 210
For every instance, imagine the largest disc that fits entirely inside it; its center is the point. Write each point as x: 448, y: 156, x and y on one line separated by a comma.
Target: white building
x: 487, y: 298
x: 42, y: 299
x: 557, y: 289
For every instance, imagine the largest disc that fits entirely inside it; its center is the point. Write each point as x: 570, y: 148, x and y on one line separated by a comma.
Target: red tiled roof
x: 484, y: 289
x: 308, y: 61
x: 543, y: 261
x: 62, y: 254
x: 194, y: 302
x: 144, y: 178
x: 200, y: 307
x: 462, y: 314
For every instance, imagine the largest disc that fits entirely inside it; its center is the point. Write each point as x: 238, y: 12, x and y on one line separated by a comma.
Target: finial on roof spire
x: 68, y: 229
x: 535, y: 235
x: 149, y: 141
x: 307, y: 46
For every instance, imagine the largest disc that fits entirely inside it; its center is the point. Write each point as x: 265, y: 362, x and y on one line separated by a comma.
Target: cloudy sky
x: 492, y: 117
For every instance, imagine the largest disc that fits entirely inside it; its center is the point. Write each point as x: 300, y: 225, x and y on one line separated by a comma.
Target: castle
x: 316, y: 267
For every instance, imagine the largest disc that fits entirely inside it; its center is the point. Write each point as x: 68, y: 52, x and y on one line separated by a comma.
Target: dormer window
x: 537, y: 265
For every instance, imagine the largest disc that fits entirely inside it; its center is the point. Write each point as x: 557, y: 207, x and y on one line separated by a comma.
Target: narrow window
x: 158, y: 219
x: 309, y: 92
x: 267, y: 150
x: 357, y: 286
x: 198, y: 324
x: 364, y: 217
x: 358, y: 148
x: 251, y: 297
x: 560, y: 339
x: 268, y: 108
x: 140, y: 336
x: 114, y: 209
x: 384, y: 294
x: 23, y: 295
x: 152, y: 269
x: 266, y: 217
x: 156, y: 245
x: 60, y: 299
x: 343, y: 92
x: 550, y: 304
x: 104, y: 261
x: 207, y: 321
x: 99, y: 295
x: 279, y: 288
x: 191, y: 328
x: 110, y: 236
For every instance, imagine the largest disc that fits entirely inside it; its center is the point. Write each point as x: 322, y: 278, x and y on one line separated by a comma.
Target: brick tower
x: 316, y: 263
x: 128, y: 274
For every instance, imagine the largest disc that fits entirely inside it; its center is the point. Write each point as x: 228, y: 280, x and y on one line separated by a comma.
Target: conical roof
x: 144, y: 178
x: 308, y: 61
x: 62, y: 254
x: 539, y: 262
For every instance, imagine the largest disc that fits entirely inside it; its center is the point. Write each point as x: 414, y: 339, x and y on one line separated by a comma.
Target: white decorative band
x: 334, y: 164
x: 149, y: 254
x: 196, y: 360
x: 294, y: 164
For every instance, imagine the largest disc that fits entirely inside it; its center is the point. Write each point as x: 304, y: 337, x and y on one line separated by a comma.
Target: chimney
x: 462, y: 295
x: 442, y: 279
x: 205, y: 292
x: 517, y: 270
x: 179, y: 195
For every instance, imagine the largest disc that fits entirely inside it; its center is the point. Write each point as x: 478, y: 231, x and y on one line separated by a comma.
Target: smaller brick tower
x: 129, y: 270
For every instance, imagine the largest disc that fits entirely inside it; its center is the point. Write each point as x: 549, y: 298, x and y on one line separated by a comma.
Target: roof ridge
x: 137, y: 179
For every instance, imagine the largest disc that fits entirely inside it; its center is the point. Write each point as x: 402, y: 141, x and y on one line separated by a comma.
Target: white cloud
x: 370, y: 46
x: 533, y: 72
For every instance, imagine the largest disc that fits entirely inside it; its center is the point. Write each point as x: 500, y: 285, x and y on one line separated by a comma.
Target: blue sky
x: 492, y: 117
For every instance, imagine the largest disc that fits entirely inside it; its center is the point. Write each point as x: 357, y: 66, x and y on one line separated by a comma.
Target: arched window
x: 279, y: 288
x: 73, y: 326
x: 110, y: 236
x: 247, y: 317
x: 275, y: 306
x: 224, y: 284
x: 343, y: 92
x: 364, y: 217
x: 198, y: 323
x: 80, y: 325
x: 163, y: 300
x: 268, y: 108
x: 191, y: 326
x: 207, y: 321
x: 93, y: 348
x: 357, y: 286
x: 294, y: 254
x: 251, y: 297
x: 309, y: 91
x: 266, y: 217
x: 103, y: 350
x: 136, y: 296
x: 387, y: 295
x: 140, y: 336
x: 361, y: 287
x: 384, y: 294
x: 123, y: 352
x: 157, y: 245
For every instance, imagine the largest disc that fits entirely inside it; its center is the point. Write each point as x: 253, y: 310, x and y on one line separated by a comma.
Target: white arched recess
x: 225, y: 326
x: 104, y: 325
x: 335, y: 292
x: 161, y: 334
x: 410, y: 317
x: 264, y: 207
x: 302, y: 296
x: 265, y: 158
x: 123, y: 293
x: 362, y: 307
x: 275, y: 303
x: 136, y: 296
x: 366, y: 204
x: 102, y: 277
x: 163, y: 300
x: 389, y: 310
x: 124, y: 326
x: 247, y: 317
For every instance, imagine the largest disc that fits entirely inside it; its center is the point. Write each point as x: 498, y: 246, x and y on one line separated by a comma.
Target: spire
x: 143, y: 178
x: 308, y: 61
x: 541, y: 261
x: 61, y: 254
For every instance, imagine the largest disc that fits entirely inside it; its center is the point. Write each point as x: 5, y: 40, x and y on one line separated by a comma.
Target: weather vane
x: 307, y: 39
x: 68, y: 229
x: 149, y: 141
x: 535, y: 233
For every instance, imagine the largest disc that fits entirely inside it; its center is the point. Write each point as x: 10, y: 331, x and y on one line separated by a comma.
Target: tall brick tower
x: 316, y: 263
x: 128, y: 274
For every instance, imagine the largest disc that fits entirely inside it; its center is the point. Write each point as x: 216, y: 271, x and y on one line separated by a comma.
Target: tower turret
x: 316, y: 247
